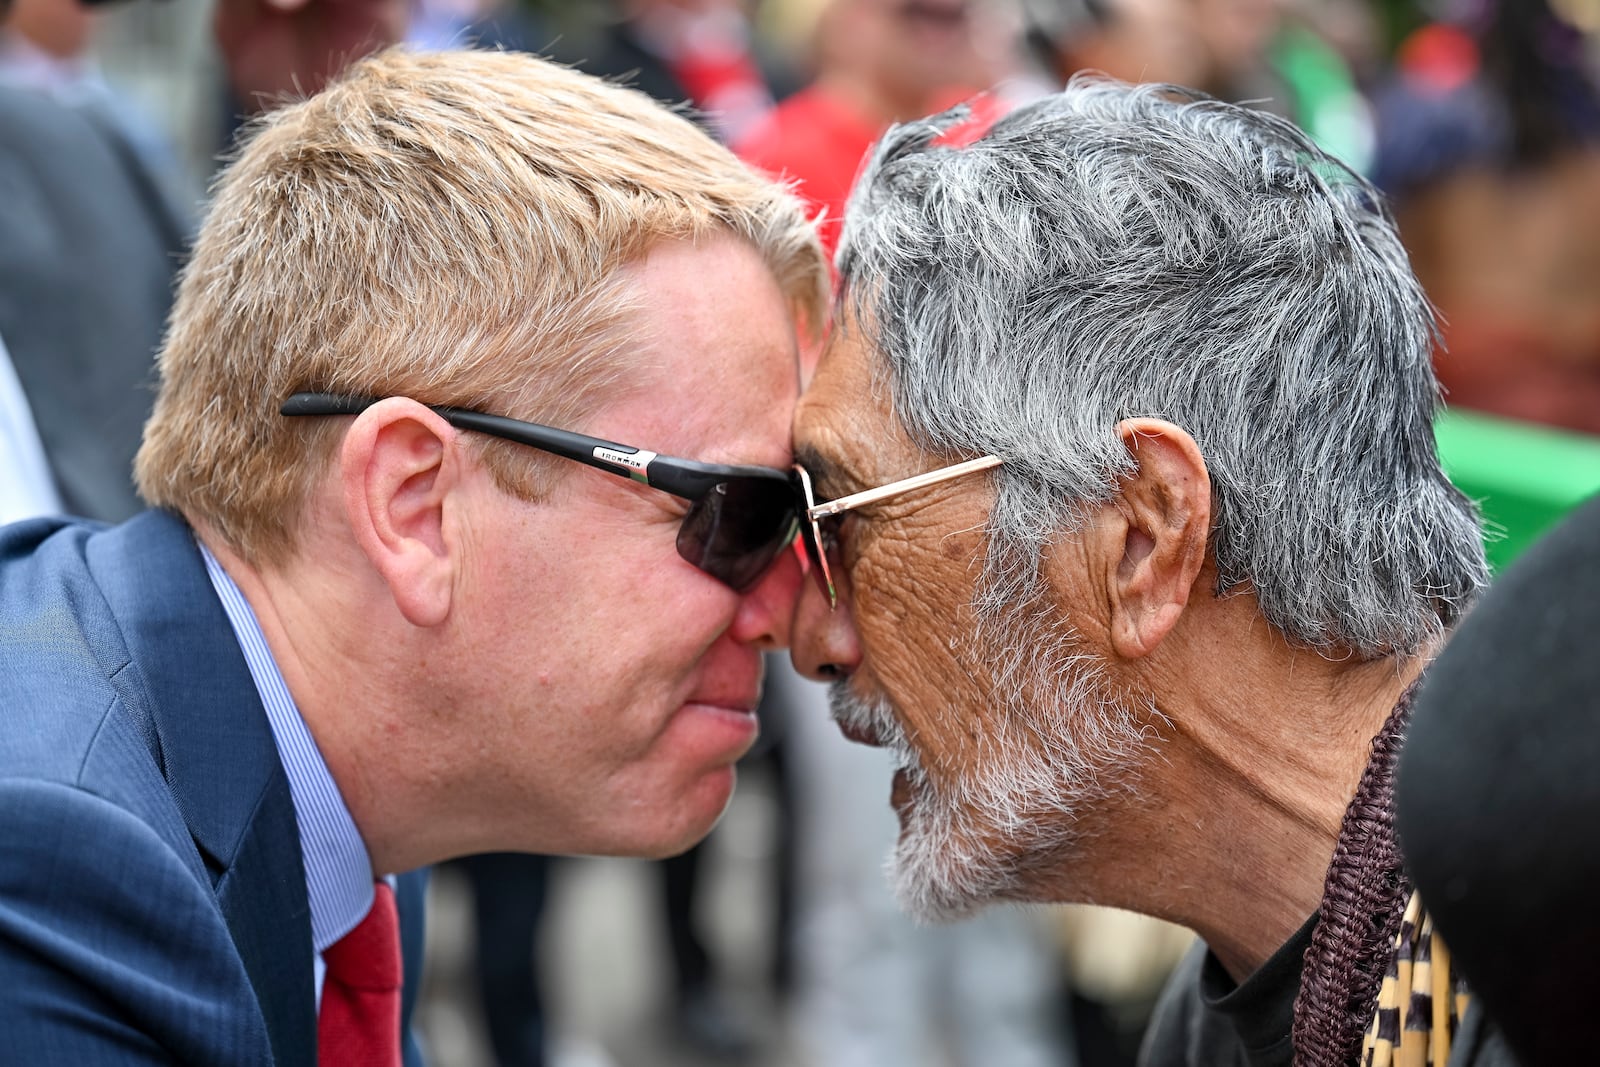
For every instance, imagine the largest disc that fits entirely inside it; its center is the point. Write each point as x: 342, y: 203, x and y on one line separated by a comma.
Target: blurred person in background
x: 45, y: 43
x: 1490, y: 148
x: 1131, y: 40
x: 876, y: 62
x: 48, y: 46
x: 1234, y: 38
x: 1270, y: 54
x: 95, y: 221
x: 1133, y: 542
x: 277, y: 50
x: 1351, y: 29
x: 359, y: 634
x: 1292, y: 57
x: 475, y: 24
x: 90, y: 234
x: 509, y: 893
x: 702, y: 53
x: 27, y: 490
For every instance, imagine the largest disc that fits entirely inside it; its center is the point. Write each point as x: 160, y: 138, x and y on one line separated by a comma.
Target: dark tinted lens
x: 736, y: 531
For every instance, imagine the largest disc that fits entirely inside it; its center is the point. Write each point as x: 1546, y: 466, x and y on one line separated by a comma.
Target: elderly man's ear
x: 1151, y: 542
x: 398, y: 465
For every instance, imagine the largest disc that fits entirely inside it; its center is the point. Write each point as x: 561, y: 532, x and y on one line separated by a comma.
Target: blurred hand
x: 279, y: 48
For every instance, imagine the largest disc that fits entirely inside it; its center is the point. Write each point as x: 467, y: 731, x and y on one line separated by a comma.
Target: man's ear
x: 1159, y: 544
x: 397, y: 464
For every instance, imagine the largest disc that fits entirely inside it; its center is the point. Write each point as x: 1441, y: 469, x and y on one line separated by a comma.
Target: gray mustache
x: 871, y: 716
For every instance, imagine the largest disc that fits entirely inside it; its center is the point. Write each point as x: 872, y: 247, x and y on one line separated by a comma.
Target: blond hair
x: 445, y: 226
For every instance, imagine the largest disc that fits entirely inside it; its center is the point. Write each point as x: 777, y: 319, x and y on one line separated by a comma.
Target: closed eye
x: 826, y: 482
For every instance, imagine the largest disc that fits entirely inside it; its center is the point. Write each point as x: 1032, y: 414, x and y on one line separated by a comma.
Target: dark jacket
x: 152, y: 899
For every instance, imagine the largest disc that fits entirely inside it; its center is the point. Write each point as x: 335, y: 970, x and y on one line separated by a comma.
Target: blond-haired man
x: 425, y: 577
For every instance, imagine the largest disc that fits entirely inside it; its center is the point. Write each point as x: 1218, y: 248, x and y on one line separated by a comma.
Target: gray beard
x: 1056, y: 740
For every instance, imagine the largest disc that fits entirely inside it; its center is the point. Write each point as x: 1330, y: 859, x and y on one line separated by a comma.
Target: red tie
x: 359, y: 1024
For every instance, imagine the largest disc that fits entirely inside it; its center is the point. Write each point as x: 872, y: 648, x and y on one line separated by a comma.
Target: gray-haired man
x: 1147, y: 648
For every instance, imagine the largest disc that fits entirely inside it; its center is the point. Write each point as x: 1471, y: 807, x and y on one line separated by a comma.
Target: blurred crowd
x: 1480, y: 120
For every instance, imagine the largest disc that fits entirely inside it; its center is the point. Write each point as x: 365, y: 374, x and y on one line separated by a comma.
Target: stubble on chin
x: 941, y: 868
x: 1056, y: 741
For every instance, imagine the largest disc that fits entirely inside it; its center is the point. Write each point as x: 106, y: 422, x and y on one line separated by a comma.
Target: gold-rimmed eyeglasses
x: 819, y: 530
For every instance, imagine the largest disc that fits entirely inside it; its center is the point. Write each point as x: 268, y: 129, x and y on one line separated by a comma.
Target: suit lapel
x: 220, y: 760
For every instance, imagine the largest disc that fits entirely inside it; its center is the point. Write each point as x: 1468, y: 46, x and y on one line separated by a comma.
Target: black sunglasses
x: 740, y: 517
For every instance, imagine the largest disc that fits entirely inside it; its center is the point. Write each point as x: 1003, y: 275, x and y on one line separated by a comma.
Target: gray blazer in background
x: 90, y: 238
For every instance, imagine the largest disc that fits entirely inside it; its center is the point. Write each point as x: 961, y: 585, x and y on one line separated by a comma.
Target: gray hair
x: 1114, y: 251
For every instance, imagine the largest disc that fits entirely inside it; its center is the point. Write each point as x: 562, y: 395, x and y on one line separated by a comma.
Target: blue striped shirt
x: 338, y: 870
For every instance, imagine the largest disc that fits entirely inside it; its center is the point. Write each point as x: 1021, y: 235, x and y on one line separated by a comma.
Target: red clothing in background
x: 820, y: 142
x: 816, y: 141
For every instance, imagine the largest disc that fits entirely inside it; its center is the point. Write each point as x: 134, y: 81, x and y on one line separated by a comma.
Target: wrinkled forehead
x: 845, y: 428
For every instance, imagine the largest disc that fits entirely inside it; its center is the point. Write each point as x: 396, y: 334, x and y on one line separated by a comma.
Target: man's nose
x: 766, y: 610
x: 825, y: 644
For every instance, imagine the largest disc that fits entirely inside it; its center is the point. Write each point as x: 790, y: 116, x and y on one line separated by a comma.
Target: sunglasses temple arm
x: 595, y: 452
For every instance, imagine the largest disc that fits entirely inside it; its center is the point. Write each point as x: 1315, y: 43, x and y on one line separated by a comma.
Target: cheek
x: 918, y: 631
x: 641, y: 638
x: 650, y: 667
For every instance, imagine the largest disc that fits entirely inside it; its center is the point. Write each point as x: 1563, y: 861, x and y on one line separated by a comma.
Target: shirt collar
x: 337, y: 868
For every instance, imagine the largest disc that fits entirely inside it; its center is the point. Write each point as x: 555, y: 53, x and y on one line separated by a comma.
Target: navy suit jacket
x: 152, y: 899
